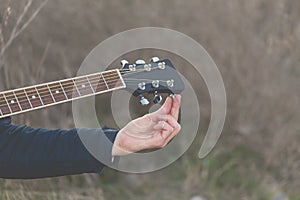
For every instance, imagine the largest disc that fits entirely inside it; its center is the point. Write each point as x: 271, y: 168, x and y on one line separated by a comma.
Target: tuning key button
x: 155, y: 59
x: 172, y: 95
x: 140, y: 62
x: 170, y: 83
x: 144, y: 101
x: 161, y: 65
x: 155, y: 84
x: 147, y: 67
x: 142, y: 86
x: 157, y: 98
x: 124, y: 62
x: 132, y: 68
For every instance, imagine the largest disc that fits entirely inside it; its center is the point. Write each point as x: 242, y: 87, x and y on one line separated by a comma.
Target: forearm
x: 26, y: 152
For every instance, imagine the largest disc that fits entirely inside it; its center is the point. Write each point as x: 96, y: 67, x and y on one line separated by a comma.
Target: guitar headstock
x: 156, y: 77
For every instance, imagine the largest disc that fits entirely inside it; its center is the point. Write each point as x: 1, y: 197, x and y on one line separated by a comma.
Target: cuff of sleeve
x: 111, y: 134
x: 99, y: 143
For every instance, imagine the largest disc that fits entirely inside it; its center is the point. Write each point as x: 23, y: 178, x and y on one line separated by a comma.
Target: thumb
x: 166, y: 107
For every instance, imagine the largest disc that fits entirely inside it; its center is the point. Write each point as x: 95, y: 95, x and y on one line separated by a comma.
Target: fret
x: 83, y: 86
x: 33, y: 97
x: 63, y: 89
x: 90, y: 84
x: 104, y: 81
x: 70, y: 89
x: 76, y: 87
x: 17, y: 100
x: 39, y: 95
x: 12, y: 102
x: 51, y: 93
x: 97, y: 83
x: 112, y: 79
x: 23, y: 99
x: 4, y: 106
x: 57, y: 92
x: 45, y: 94
x: 1, y: 112
x: 28, y: 99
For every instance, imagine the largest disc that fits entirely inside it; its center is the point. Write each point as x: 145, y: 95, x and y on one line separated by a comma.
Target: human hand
x: 153, y: 130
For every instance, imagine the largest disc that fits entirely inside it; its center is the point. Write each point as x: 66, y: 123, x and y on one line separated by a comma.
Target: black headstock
x: 155, y: 77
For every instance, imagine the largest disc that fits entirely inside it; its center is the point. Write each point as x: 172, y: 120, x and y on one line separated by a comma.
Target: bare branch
x: 15, y: 33
x: 7, y: 14
x: 1, y: 40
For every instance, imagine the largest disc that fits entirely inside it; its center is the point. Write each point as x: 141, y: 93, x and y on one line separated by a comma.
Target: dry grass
x: 254, y: 43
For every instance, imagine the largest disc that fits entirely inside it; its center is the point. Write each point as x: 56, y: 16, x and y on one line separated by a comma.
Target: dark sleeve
x: 26, y: 152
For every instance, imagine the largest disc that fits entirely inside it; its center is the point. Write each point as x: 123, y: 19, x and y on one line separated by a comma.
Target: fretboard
x: 39, y: 96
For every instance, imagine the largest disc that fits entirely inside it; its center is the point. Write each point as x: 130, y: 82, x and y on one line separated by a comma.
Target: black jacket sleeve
x: 27, y: 153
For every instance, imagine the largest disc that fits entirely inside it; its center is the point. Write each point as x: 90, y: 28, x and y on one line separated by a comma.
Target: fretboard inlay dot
x: 33, y: 97
x: 12, y: 101
x: 57, y: 91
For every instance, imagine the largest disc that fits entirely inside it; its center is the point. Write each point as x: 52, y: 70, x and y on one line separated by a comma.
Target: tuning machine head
x: 154, y: 59
x: 124, y: 63
x: 140, y: 62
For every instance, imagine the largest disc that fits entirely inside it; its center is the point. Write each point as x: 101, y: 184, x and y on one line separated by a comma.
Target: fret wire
x: 1, y: 112
x: 28, y: 99
x: 7, y: 103
x: 51, y: 93
x: 17, y: 100
x: 90, y: 84
x: 104, y: 81
x: 37, y: 92
x: 63, y: 89
x: 76, y: 87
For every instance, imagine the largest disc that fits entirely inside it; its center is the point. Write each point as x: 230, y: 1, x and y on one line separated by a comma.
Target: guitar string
x: 73, y: 79
x: 15, y: 105
x: 65, y: 87
x: 48, y: 94
x: 73, y: 82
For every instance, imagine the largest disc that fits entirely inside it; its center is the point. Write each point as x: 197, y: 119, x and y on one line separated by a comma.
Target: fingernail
x: 178, y: 97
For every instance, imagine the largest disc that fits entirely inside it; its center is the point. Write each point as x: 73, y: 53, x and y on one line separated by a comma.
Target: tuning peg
x: 124, y: 62
x: 155, y: 59
x: 140, y: 62
x: 144, y: 101
x: 157, y: 98
x: 172, y: 95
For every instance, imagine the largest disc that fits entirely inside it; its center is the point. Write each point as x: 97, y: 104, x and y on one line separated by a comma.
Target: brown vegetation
x: 256, y: 47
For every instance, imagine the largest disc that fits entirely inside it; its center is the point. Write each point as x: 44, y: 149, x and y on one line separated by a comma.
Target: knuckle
x: 147, y: 117
x: 177, y: 127
x: 161, y: 144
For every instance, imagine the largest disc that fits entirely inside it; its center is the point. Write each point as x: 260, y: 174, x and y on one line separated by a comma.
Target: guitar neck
x: 26, y: 99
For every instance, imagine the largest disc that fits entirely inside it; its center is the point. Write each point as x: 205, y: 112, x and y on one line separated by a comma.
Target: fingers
x: 169, y: 129
x: 171, y: 106
x: 165, y: 127
x: 171, y: 136
x: 176, y: 106
x: 166, y: 107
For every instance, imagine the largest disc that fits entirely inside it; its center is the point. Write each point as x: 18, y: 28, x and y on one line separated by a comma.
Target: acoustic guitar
x: 156, y: 77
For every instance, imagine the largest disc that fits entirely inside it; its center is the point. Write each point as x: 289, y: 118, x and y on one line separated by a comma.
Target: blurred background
x: 254, y: 43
